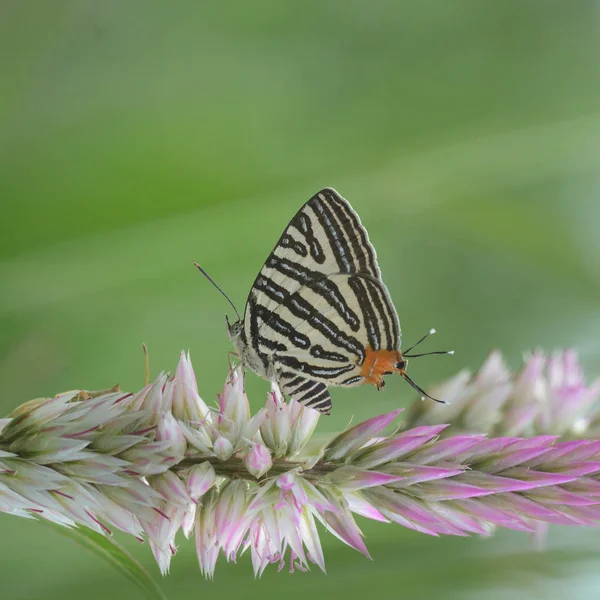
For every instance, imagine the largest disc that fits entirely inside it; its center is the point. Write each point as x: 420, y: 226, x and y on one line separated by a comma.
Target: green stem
x: 234, y: 467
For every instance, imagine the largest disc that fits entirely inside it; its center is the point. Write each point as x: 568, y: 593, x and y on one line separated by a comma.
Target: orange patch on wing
x: 377, y: 363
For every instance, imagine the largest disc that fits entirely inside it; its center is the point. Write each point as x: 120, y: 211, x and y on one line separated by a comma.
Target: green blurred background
x: 136, y: 137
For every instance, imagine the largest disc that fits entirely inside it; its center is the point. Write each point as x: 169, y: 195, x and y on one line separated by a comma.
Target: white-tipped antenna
x: 220, y: 290
x: 431, y: 332
x: 421, y: 391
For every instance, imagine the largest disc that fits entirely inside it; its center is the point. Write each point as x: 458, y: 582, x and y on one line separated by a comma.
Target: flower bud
x: 186, y: 402
x: 222, y: 448
x: 258, y: 460
x: 200, y: 479
x: 168, y: 430
x: 276, y: 426
x: 234, y: 408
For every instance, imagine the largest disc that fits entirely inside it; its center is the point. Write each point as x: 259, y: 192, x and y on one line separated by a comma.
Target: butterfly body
x: 318, y: 313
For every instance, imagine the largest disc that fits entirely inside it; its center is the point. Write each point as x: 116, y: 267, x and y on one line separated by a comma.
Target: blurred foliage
x: 136, y: 137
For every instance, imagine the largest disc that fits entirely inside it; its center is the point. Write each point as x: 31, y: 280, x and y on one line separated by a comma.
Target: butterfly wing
x: 328, y: 342
x: 319, y: 301
x: 306, y: 391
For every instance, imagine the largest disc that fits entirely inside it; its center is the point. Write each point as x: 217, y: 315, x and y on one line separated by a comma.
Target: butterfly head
x: 234, y: 330
x: 378, y: 363
x: 401, y: 364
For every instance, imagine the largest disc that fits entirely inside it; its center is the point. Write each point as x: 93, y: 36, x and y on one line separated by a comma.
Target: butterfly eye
x: 401, y: 365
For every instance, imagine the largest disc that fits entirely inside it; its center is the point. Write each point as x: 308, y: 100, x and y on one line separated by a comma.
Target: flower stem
x: 234, y: 467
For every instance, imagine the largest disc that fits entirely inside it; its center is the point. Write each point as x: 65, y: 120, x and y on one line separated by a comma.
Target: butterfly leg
x: 232, y: 367
x: 231, y: 354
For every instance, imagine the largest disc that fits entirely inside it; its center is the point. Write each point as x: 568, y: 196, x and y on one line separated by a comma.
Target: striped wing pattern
x: 318, y: 303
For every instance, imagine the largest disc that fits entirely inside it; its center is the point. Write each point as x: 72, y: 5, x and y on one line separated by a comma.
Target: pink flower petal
x: 354, y: 438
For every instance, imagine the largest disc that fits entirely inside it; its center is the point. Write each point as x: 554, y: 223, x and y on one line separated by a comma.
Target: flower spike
x: 161, y: 460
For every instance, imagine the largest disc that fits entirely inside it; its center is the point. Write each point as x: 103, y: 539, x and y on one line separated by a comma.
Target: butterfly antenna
x: 421, y: 391
x: 430, y: 332
x: 428, y: 353
x: 220, y: 290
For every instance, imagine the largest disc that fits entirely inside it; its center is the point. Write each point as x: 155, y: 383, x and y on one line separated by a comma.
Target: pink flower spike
x: 155, y: 462
x: 409, y: 473
x: 573, y: 450
x: 579, y: 469
x: 359, y: 505
x: 349, y: 478
x: 555, y: 495
x: 414, y: 510
x: 428, y: 431
x: 459, y: 520
x: 481, y: 509
x: 493, y: 369
x: 343, y: 526
x: 586, y: 486
x: 354, y: 438
x: 539, y: 478
x: 409, y: 524
x: 517, y: 419
x: 484, y: 449
x: 394, y: 447
x: 514, y: 458
x: 496, y: 483
x: 447, y: 489
x: 523, y: 507
x: 448, y: 448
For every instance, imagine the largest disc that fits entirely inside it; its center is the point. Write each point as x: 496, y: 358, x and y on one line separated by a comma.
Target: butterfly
x: 318, y: 313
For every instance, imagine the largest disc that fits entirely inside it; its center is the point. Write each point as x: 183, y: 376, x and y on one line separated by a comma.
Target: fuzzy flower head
x: 548, y: 395
x: 570, y: 404
x: 161, y: 462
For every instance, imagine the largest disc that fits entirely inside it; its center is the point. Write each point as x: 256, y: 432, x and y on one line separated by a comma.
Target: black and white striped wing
x: 306, y: 391
x: 325, y: 349
x: 319, y: 301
